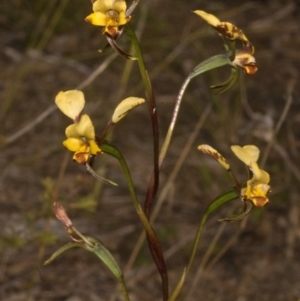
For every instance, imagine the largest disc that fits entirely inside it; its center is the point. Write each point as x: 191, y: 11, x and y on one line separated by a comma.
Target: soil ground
x: 47, y: 47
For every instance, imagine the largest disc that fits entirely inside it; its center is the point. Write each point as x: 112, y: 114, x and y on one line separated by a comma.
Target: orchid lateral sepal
x: 102, y: 50
x: 230, y: 82
x: 239, y: 216
x: 112, y: 42
x: 95, y: 175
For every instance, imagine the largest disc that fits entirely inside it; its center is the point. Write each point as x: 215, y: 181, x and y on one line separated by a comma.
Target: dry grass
x: 47, y: 47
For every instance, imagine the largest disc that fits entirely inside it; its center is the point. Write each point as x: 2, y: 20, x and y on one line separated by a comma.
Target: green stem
x: 105, y: 132
x: 154, y: 180
x: 173, y: 121
x: 216, y: 204
x: 153, y: 241
x: 124, y: 289
x: 207, y: 65
x: 154, y: 246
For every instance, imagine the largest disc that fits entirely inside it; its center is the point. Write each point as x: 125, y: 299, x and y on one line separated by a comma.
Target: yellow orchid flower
x: 81, y: 140
x: 243, y: 57
x: 257, y: 187
x: 109, y: 13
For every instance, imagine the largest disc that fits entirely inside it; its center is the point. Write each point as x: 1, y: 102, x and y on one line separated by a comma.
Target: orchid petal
x: 70, y: 102
x: 259, y: 176
x: 247, y: 153
x: 209, y: 18
x: 97, y: 18
x: 95, y: 150
x: 207, y: 149
x: 105, y: 5
x: 125, y: 106
x: 73, y: 144
x: 84, y: 128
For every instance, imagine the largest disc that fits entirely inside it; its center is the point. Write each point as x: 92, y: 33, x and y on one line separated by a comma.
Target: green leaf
x: 62, y: 250
x: 95, y: 246
x: 153, y: 241
x: 215, y: 205
x: 211, y: 63
x: 220, y: 201
x: 114, y: 152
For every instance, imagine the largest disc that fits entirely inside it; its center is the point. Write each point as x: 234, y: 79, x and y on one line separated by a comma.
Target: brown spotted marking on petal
x: 81, y: 158
x: 259, y: 201
x: 215, y: 155
x: 232, y: 32
x: 250, y: 69
x: 112, y: 31
x: 246, y: 60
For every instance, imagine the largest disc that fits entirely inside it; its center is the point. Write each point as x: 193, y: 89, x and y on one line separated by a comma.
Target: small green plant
x: 87, y: 143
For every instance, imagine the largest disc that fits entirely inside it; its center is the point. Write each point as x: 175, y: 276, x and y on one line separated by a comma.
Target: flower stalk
x: 153, y: 241
x: 154, y: 180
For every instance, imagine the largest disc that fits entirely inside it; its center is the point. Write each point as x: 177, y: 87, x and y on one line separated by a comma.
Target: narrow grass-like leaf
x: 215, y: 205
x: 62, y: 250
x: 214, y: 62
x: 96, y: 247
